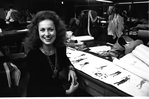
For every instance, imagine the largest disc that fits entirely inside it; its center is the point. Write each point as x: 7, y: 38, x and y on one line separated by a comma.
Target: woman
x: 116, y: 22
x: 123, y: 44
x: 47, y: 56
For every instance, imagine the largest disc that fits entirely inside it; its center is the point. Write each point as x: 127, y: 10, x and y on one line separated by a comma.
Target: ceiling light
x: 107, y: 1
x: 133, y: 2
x: 62, y: 2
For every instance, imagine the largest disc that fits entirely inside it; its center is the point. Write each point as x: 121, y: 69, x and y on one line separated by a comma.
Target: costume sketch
x: 116, y: 73
x: 141, y: 83
x: 124, y: 79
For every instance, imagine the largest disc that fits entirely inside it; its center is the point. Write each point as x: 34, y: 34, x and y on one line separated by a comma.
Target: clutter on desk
x: 83, y: 38
x: 78, y: 42
x: 118, y: 73
x: 136, y: 61
x: 71, y: 37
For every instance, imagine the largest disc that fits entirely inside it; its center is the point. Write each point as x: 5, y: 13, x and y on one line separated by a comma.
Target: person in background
x: 123, y: 44
x: 29, y: 15
x: 125, y: 16
x: 46, y: 56
x: 116, y: 22
x: 81, y: 29
x: 13, y: 17
x: 73, y: 24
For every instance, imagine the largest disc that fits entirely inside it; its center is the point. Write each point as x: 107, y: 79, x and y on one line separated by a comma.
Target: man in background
x: 13, y: 17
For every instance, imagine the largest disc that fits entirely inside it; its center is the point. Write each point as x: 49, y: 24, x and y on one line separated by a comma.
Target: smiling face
x: 47, y: 31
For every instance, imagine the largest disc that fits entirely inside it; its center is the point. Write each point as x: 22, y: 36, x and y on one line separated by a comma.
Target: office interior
x: 90, y: 39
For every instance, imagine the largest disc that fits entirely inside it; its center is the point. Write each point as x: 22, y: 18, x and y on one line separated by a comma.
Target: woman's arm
x: 71, y: 71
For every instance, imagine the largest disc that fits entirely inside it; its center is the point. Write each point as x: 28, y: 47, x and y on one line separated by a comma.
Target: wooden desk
x: 96, y: 87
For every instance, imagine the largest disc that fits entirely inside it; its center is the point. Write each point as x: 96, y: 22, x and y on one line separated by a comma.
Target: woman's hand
x: 74, y: 84
x: 72, y: 75
x: 72, y: 88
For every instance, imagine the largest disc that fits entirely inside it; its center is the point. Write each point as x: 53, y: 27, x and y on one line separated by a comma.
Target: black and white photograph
x: 74, y: 48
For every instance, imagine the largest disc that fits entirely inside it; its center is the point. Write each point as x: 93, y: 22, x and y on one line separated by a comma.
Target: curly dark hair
x: 32, y: 41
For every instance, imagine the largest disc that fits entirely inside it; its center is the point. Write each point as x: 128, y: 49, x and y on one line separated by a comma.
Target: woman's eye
x: 50, y: 29
x: 42, y: 30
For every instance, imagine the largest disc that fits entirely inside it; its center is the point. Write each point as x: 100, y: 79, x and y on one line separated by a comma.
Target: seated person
x: 13, y: 17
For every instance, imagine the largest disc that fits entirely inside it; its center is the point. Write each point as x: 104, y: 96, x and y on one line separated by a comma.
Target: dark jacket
x: 41, y: 82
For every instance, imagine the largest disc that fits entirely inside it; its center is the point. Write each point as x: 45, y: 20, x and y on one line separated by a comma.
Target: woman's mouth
x: 48, y: 39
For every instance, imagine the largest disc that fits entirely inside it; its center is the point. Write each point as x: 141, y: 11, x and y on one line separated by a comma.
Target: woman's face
x: 47, y: 31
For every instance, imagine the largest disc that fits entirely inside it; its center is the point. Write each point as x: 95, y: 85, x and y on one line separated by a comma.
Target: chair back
x: 13, y: 74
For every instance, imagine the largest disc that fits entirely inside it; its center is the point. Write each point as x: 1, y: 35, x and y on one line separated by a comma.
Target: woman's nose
x: 47, y: 32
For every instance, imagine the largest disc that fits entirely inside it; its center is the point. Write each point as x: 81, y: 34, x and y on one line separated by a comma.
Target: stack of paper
x: 83, y: 38
x: 136, y: 62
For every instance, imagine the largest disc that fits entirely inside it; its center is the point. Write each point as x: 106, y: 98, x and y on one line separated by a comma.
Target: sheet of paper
x: 97, y: 49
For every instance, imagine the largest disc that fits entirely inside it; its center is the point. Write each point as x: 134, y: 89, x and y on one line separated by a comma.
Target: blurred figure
x: 13, y: 17
x: 116, y: 22
x: 73, y: 24
x: 29, y: 15
x: 123, y: 44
